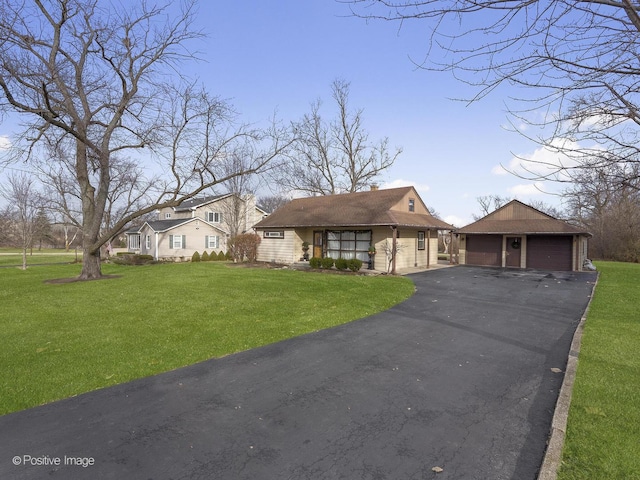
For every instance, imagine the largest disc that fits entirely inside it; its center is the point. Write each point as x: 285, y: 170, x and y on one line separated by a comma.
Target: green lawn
x: 603, y: 433
x: 60, y: 340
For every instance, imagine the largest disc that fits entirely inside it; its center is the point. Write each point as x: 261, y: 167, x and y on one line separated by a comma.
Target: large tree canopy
x: 98, y: 89
x: 578, y: 60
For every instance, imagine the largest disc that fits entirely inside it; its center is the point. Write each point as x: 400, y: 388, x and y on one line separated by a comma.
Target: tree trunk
x: 24, y: 258
x: 91, y: 266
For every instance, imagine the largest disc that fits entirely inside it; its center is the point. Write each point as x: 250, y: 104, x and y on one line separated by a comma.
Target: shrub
x: 245, y: 246
x: 341, y: 263
x: 132, y: 259
x: 195, y: 257
x: 221, y: 256
x: 354, y: 264
x: 327, y: 262
x: 315, y: 262
x: 205, y: 257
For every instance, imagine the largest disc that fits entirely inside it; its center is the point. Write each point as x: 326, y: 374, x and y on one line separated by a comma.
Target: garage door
x: 549, y: 252
x: 484, y: 250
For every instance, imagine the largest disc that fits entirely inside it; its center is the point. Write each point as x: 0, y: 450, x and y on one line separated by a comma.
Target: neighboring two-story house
x: 197, y: 225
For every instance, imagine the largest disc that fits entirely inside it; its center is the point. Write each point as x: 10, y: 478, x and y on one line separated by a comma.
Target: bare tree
x: 577, y: 60
x: 97, y: 83
x: 335, y: 156
x: 391, y: 251
x: 236, y: 211
x: 22, y: 196
x: 489, y: 203
x: 611, y: 212
x: 272, y: 202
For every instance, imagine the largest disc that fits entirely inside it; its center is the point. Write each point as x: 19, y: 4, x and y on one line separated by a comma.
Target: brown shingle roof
x: 517, y: 217
x: 360, y: 209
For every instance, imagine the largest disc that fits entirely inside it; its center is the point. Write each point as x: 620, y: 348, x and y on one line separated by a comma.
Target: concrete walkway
x: 458, y: 382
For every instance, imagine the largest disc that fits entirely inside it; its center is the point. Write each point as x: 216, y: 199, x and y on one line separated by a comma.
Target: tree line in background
x: 114, y: 133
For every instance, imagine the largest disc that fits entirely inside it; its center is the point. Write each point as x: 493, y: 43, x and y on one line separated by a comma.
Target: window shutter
x: 170, y: 242
x: 206, y: 241
x: 217, y: 241
x: 184, y: 241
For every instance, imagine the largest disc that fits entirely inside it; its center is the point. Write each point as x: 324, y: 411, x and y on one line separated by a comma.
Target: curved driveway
x: 458, y: 377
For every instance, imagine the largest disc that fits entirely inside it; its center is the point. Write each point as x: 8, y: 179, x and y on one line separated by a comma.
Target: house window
x: 212, y: 241
x: 273, y: 234
x: 213, y: 217
x: 134, y: 242
x: 147, y: 242
x: 349, y: 244
x: 167, y: 215
x: 420, y: 240
x: 412, y: 205
x: 177, y: 241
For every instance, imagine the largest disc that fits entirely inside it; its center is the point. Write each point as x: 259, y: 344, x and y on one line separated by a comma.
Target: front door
x: 317, y: 243
x: 513, y: 252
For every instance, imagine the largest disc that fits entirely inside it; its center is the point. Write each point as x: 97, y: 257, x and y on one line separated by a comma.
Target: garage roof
x: 518, y: 218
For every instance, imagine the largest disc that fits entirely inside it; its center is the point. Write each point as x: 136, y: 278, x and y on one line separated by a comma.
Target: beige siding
x: 248, y: 215
x: 280, y: 250
x: 408, y: 255
x: 419, y: 206
x: 195, y: 233
x: 517, y: 211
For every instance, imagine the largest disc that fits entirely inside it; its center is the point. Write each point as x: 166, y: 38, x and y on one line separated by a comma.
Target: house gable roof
x: 161, y: 226
x: 360, y: 209
x: 194, y: 203
x: 519, y: 218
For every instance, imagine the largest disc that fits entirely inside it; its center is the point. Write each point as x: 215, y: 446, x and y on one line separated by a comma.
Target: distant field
x: 13, y: 257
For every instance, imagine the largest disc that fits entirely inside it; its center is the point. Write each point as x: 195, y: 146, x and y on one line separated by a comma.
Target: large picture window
x: 349, y: 244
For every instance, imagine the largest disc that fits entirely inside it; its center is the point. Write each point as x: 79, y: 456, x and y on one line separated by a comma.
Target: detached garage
x: 519, y: 236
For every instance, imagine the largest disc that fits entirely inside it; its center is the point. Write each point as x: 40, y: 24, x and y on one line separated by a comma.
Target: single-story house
x: 348, y: 225
x: 197, y: 225
x: 520, y: 236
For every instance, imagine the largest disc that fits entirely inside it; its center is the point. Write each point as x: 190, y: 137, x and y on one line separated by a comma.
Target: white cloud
x: 5, y: 143
x: 543, y: 162
x: 526, y: 189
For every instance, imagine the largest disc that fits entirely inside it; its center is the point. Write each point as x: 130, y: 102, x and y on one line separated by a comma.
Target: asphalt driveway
x: 458, y: 377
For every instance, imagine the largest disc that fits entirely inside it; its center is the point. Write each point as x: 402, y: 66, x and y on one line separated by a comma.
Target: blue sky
x: 282, y: 55
x: 267, y: 56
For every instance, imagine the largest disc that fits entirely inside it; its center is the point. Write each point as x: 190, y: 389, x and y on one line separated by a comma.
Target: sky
x: 280, y: 56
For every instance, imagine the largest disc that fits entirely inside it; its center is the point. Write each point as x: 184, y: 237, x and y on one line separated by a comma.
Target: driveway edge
x: 553, y: 454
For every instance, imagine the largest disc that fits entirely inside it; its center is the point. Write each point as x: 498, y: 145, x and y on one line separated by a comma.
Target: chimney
x: 374, y: 187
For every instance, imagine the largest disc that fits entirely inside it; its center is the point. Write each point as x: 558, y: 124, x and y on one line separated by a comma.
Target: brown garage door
x: 484, y: 250
x: 549, y: 252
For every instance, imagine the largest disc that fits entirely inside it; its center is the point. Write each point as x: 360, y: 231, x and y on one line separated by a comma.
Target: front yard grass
x: 603, y: 432
x: 60, y: 340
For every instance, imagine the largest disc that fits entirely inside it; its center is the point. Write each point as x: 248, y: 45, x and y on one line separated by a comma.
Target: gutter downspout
x: 156, y: 246
x: 428, y: 247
